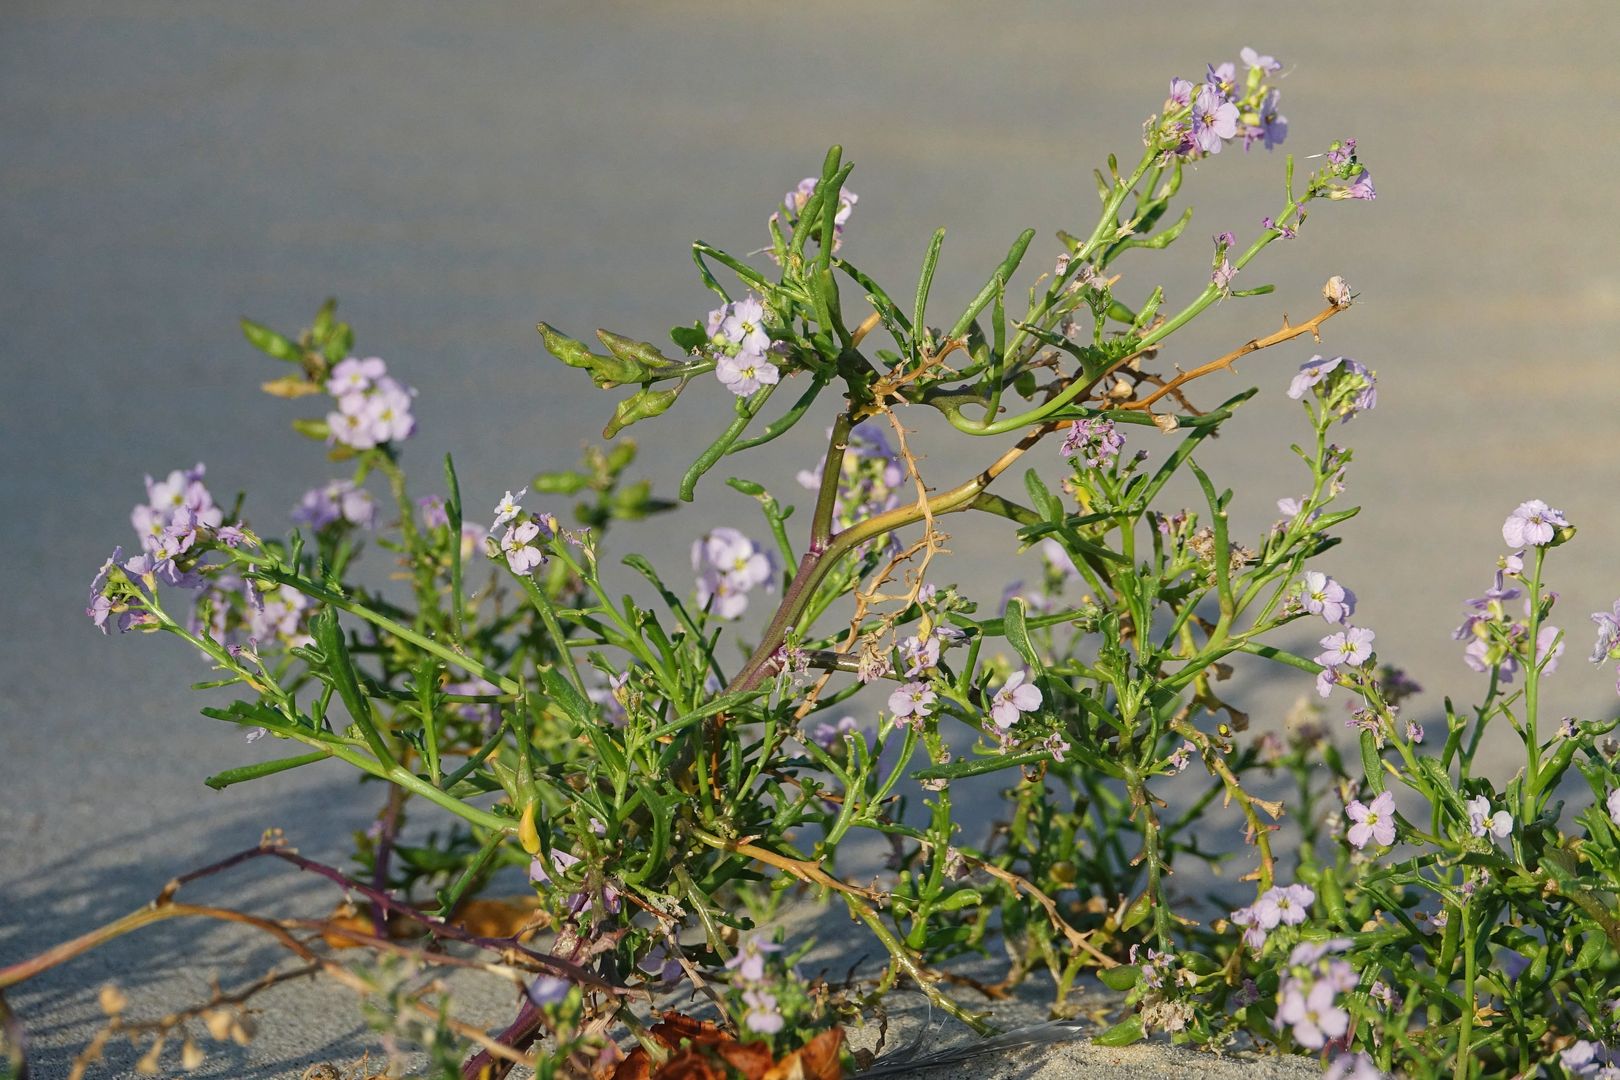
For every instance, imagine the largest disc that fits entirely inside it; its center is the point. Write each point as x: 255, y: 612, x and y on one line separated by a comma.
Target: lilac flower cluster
x: 1201, y: 119
x: 794, y: 202
x: 1586, y: 1058
x: 519, y: 545
x: 339, y: 500
x: 1094, y: 440
x: 1343, y: 386
x: 179, y: 512
x: 1496, y: 640
x: 1281, y: 905
x: 1342, y: 165
x: 741, y: 346
x: 729, y: 566
x: 372, y: 408
x: 1308, y: 997
x: 870, y: 479
x: 762, y: 1013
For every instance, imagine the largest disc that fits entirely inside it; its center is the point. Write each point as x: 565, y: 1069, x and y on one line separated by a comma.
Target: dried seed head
x: 149, y: 1064
x: 1165, y: 422
x: 242, y: 1031
x: 191, y: 1055
x: 218, y: 1022
x: 112, y: 1000
x: 1337, y: 292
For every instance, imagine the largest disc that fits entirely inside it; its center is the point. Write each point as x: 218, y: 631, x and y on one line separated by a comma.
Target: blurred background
x: 455, y: 172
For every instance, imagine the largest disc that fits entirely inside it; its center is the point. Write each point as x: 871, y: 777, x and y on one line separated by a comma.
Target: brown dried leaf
x: 497, y: 918
x: 818, y: 1059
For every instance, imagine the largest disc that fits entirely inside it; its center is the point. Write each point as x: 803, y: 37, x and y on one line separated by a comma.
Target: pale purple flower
x: 915, y: 700
x: 1222, y: 78
x: 763, y: 1015
x: 1356, y: 1066
x: 1181, y: 91
x: 746, y: 372
x: 1341, y: 152
x: 1307, y: 953
x: 1256, y: 61
x: 1221, y: 277
x: 1015, y: 696
x: 1288, y: 905
x: 729, y: 566
x: 1056, y: 745
x: 434, y: 514
x: 1326, y: 680
x: 828, y: 736
x: 1549, y: 647
x: 1181, y: 757
x: 1351, y: 389
x: 1325, y: 597
x: 355, y: 376
x: 522, y: 556
x: 1533, y: 524
x: 795, y: 200
x: 1482, y: 821
x: 1288, y: 231
x: 1214, y: 119
x: 1272, y: 130
x: 749, y: 962
x: 233, y: 536
x: 333, y: 502
x: 744, y: 326
x: 560, y: 862
x: 1350, y: 646
x: 1375, y: 822
x: 1313, y: 1014
x: 509, y: 508
x: 1095, y: 440
x: 388, y: 411
x: 1414, y: 731
x: 920, y: 653
x: 548, y: 989
x: 1608, y: 634
x: 1361, y: 187
x: 1254, y: 934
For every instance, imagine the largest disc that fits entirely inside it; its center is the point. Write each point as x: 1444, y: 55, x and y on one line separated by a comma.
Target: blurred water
x: 456, y: 173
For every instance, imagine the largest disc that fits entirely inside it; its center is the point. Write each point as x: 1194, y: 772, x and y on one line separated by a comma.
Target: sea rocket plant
x: 669, y: 773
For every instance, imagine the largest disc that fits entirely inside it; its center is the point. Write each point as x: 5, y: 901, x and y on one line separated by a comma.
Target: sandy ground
x: 455, y: 173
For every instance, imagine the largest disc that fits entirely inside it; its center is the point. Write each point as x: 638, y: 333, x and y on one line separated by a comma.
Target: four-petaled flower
x: 1533, y: 524
x: 517, y: 545
x: 1314, y: 1014
x: 1325, y: 597
x: 1214, y: 119
x: 1375, y: 822
x: 914, y: 700
x: 1015, y: 696
x: 1350, y: 646
x: 1482, y: 821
